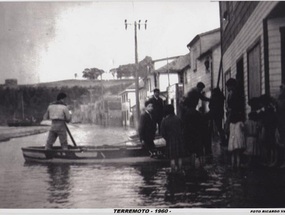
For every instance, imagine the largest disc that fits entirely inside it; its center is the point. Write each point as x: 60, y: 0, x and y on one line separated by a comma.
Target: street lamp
x: 136, y: 25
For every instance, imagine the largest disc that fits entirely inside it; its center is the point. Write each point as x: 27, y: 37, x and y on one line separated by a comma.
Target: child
x: 147, y: 129
x: 171, y: 131
x: 251, y: 134
x: 236, y: 139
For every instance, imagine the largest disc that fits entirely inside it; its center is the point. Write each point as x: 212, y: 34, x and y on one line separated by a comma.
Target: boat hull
x: 89, y: 154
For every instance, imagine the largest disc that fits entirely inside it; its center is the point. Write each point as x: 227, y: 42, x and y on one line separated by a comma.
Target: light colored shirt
x: 58, y: 112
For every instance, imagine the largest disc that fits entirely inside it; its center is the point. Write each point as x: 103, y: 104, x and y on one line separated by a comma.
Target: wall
x: 163, y: 81
x: 216, y: 59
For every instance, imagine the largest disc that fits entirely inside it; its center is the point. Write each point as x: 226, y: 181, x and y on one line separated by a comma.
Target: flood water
x: 95, y: 186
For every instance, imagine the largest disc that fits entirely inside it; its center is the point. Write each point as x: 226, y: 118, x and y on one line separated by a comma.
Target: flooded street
x: 25, y: 185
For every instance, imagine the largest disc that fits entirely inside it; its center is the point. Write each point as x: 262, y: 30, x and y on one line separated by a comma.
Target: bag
x: 160, y: 142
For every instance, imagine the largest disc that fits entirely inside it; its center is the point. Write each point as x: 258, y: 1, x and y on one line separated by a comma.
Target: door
x: 254, y: 71
x: 282, y: 31
x: 240, y: 81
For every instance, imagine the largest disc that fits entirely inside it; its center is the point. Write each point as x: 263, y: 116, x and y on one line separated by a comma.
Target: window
x: 185, y: 77
x: 181, y: 77
x: 254, y: 71
x: 207, y: 64
x: 225, y: 17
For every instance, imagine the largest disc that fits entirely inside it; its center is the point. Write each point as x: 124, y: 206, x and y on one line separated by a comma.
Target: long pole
x: 137, y: 77
x: 70, y: 135
x: 103, y: 102
x: 168, y: 73
x: 23, y: 106
x: 137, y: 116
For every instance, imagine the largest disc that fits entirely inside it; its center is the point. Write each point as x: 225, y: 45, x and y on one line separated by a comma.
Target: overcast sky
x: 49, y: 41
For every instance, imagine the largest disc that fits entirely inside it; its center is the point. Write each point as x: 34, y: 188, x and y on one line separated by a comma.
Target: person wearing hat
x: 158, y: 104
x: 59, y: 114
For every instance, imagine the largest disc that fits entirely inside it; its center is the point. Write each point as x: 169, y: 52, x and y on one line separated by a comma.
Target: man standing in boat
x: 147, y: 128
x: 59, y: 114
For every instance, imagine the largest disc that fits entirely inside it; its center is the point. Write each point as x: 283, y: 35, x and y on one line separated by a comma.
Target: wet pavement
x: 6, y: 133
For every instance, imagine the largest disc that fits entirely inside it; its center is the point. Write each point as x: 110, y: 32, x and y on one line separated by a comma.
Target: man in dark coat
x: 147, y: 128
x: 157, y: 107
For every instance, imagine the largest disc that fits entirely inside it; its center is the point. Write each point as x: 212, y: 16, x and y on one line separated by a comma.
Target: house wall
x: 238, y: 13
x: 187, y: 80
x: 216, y: 59
x: 195, y: 51
x: 198, y: 71
x: 207, y: 41
x: 164, y: 83
x: 250, y: 33
x: 200, y: 75
x: 274, y: 42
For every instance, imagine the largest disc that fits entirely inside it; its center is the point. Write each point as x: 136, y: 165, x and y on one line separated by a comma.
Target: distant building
x: 174, y: 88
x: 108, y: 110
x: 128, y: 100
x: 11, y: 83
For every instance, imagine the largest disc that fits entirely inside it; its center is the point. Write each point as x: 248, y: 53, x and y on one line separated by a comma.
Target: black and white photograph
x: 157, y: 107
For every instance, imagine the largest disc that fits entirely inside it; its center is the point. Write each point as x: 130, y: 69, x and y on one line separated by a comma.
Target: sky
x: 54, y: 40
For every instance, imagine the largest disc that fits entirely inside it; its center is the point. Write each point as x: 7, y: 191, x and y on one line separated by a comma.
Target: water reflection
x: 202, y: 187
x: 59, y: 184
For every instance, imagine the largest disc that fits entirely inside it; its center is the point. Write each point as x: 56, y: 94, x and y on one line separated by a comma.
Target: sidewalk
x: 6, y: 133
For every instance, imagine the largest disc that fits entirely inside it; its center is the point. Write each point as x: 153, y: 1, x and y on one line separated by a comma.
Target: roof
x: 198, y: 36
x: 132, y: 87
x: 176, y: 65
x: 209, y: 50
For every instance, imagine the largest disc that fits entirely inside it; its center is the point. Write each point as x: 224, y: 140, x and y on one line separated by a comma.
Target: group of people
x: 185, y: 136
x: 262, y: 134
x: 260, y: 137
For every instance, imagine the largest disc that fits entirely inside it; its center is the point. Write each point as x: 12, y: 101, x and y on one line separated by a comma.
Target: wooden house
x: 253, y: 46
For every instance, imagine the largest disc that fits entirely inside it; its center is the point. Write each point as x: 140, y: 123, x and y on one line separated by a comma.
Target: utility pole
x: 136, y: 25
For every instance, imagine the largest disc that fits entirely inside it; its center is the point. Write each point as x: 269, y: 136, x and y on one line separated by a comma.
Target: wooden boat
x: 92, y: 154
